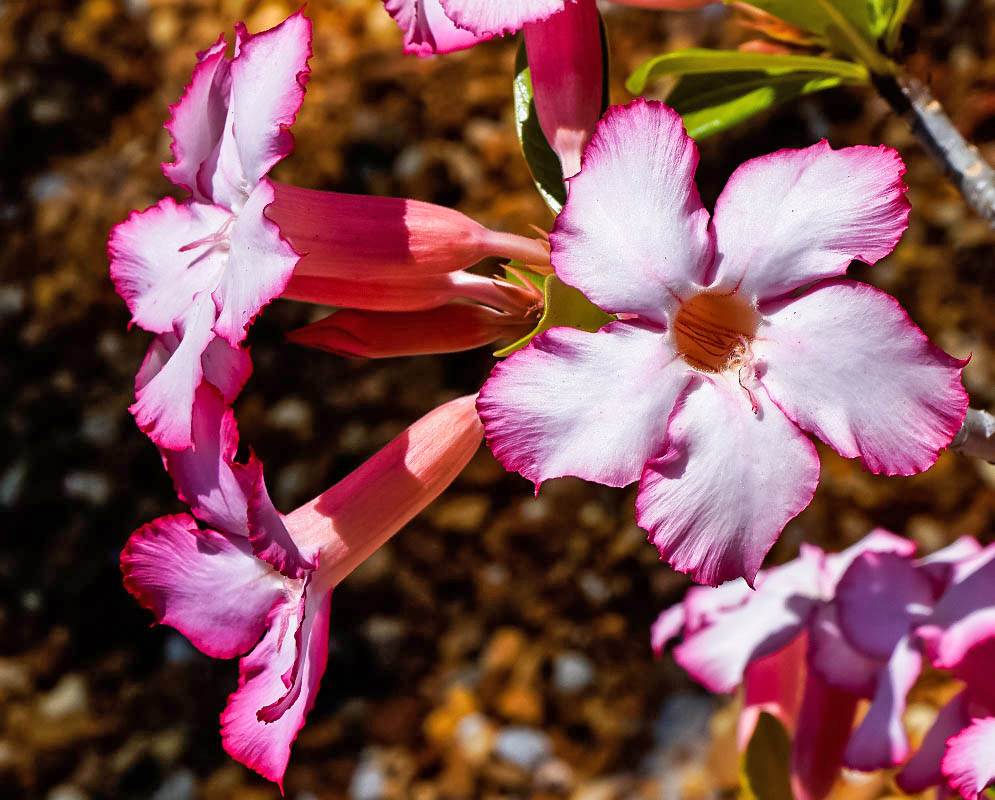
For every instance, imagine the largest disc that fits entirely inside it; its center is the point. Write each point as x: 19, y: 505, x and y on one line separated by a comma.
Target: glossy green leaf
x: 712, y: 103
x: 850, y: 27
x: 543, y: 163
x: 764, y: 769
x: 563, y: 305
x: 703, y: 61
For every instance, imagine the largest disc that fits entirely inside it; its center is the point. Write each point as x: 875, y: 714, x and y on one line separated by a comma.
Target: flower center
x: 713, y: 331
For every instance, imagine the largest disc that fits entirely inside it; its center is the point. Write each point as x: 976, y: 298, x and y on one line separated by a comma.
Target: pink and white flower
x: 825, y: 631
x: 204, y: 268
x: 443, y: 26
x: 736, y: 337
x: 258, y: 584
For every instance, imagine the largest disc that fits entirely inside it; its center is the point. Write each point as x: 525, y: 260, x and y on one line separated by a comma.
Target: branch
x: 976, y: 437
x: 961, y: 161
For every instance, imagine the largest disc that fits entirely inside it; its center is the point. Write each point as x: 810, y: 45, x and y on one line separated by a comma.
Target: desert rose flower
x: 258, y: 584
x: 443, y: 26
x: 819, y: 634
x: 204, y: 268
x: 200, y: 271
x: 736, y: 338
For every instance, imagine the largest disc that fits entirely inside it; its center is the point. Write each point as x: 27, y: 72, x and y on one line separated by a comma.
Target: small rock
x: 92, y: 487
x: 294, y: 415
x: 572, y: 672
x: 524, y: 747
x: 440, y: 724
x: 521, y: 704
x: 66, y: 791
x: 368, y: 781
x: 555, y: 776
x: 464, y: 513
x: 503, y: 650
x: 178, y: 650
x: 68, y: 696
x: 181, y: 785
x: 475, y: 735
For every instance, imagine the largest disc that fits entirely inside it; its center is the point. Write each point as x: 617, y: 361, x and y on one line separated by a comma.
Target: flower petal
x: 941, y: 566
x: 717, y: 654
x: 964, y: 617
x: 227, y: 368
x: 206, y: 475
x: 795, y: 216
x: 880, y: 740
x: 268, y: 76
x: 717, y: 500
x: 592, y: 405
x: 259, y: 267
x: 207, y: 585
x: 668, y: 625
x: 878, y: 540
x: 150, y: 267
x: 427, y: 30
x: 845, y: 362
x: 923, y: 769
x: 197, y: 120
x: 633, y: 235
x: 835, y: 660
x: 880, y: 599
x: 270, y: 539
x: 969, y: 764
x: 169, y: 376
x: 487, y: 18
x: 294, y: 649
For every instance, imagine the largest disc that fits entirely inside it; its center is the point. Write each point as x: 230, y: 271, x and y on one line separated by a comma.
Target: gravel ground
x: 498, y: 646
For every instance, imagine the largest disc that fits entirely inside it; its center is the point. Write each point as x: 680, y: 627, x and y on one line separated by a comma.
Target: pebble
x: 292, y: 414
x: 524, y: 747
x: 572, y: 672
x: 66, y: 791
x: 91, y: 487
x: 181, y: 785
x: 68, y: 696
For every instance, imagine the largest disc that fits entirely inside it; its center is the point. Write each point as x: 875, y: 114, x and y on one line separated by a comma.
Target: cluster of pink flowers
x: 733, y: 337
x: 827, y: 630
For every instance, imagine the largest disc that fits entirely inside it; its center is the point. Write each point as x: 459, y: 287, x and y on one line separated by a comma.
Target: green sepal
x: 562, y: 305
x: 764, y: 769
x: 542, y: 161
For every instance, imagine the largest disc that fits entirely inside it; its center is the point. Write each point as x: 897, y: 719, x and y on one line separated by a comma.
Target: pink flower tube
x: 257, y: 583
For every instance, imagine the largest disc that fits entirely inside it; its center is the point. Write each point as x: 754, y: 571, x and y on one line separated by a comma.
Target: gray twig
x: 961, y: 161
x: 976, y: 437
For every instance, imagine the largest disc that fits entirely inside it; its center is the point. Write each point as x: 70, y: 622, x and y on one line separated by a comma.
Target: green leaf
x: 712, y: 103
x: 764, y: 771
x: 542, y: 160
x: 895, y: 24
x: 850, y: 27
x: 701, y: 61
x: 563, y: 305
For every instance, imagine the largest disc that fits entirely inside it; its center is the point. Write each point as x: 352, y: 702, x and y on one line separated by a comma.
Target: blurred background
x: 498, y: 647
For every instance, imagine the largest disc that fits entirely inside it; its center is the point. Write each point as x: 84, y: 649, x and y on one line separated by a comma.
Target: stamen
x: 712, y: 332
x: 218, y: 239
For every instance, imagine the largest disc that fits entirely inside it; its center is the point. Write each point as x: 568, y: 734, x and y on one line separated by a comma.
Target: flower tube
x: 259, y: 583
